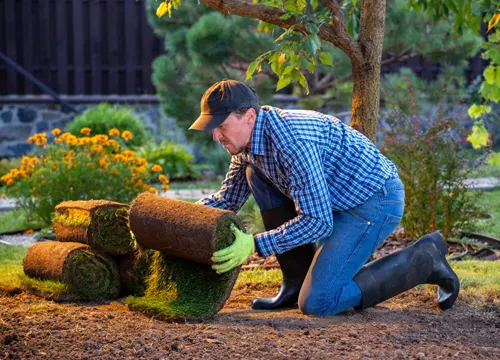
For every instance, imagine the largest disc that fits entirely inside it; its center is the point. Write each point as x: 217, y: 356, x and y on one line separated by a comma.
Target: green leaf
x: 286, y: 16
x: 495, y: 37
x: 314, y: 4
x: 251, y: 69
x: 312, y: 43
x: 326, y: 58
x: 288, y: 70
x: 303, y: 83
x: 494, y: 159
x: 490, y: 92
x: 476, y: 111
x: 479, y: 136
x: 312, y: 28
x: 489, y: 74
x: 312, y: 65
x: 283, y: 81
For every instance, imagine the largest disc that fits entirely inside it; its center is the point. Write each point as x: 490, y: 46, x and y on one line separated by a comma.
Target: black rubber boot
x: 423, y: 262
x: 294, y: 263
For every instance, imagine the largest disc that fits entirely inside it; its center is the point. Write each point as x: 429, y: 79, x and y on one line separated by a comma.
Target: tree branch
x: 248, y: 9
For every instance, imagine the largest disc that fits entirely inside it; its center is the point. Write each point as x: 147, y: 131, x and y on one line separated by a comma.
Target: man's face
x: 235, y: 132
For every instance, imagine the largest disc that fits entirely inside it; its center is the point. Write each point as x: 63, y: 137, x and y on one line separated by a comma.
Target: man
x: 316, y: 180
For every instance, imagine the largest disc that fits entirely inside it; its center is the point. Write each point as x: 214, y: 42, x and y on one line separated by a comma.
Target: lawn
x: 490, y: 204
x: 16, y: 220
x: 479, y: 279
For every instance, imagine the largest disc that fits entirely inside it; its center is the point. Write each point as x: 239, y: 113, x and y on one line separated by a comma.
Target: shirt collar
x: 257, y: 145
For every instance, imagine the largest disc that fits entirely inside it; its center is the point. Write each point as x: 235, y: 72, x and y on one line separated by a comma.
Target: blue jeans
x: 328, y: 288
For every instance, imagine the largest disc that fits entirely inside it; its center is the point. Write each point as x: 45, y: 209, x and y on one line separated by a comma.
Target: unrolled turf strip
x: 101, y: 224
x: 88, y: 274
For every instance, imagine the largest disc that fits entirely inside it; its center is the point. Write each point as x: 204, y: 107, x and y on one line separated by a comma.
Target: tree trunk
x: 365, y: 100
x: 366, y: 74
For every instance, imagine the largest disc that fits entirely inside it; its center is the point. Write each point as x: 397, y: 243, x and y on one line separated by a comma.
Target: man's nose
x: 216, y: 134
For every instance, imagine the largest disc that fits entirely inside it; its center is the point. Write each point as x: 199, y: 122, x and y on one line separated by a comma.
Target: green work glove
x: 235, y: 254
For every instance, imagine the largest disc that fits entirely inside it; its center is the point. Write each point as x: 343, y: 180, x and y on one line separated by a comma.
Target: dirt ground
x: 407, y: 327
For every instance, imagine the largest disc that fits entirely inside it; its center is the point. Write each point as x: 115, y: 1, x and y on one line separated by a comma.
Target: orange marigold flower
x: 10, y: 182
x: 156, y: 168
x: 152, y: 190
x: 114, y: 132
x: 165, y: 188
x: 115, y: 171
x: 119, y: 158
x: 138, y: 170
x: 141, y: 161
x: 4, y: 196
x: 86, y: 131
x: 41, y: 141
x: 163, y: 179
x: 127, y: 135
x: 29, y: 232
x: 103, y: 163
x: 56, y: 131
x: 128, y: 153
x: 96, y: 148
x: 101, y: 139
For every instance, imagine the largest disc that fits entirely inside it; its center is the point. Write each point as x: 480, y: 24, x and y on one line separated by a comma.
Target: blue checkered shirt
x: 320, y: 163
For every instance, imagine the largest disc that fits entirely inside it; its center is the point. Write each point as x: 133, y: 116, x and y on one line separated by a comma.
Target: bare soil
x: 407, y: 327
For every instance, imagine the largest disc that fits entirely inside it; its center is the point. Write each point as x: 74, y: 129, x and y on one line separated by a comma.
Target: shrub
x: 433, y: 168
x: 103, y: 118
x: 72, y: 168
x: 175, y: 161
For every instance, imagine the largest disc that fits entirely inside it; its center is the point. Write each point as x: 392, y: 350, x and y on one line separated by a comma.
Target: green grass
x: 16, y: 220
x: 486, y: 171
x: 479, y: 278
x: 490, y: 203
x: 11, y: 268
x: 261, y: 277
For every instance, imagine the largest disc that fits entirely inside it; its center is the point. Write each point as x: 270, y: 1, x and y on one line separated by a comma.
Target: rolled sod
x: 101, y: 224
x: 89, y: 275
x: 134, y: 270
x: 182, y: 284
x: 175, y: 227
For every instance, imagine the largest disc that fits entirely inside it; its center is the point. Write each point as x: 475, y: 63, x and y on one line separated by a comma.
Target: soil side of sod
x: 409, y: 326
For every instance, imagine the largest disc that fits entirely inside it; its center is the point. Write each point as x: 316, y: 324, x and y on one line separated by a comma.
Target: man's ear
x: 251, y: 115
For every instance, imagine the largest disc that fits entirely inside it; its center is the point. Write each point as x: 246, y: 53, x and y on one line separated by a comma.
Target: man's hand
x: 235, y: 254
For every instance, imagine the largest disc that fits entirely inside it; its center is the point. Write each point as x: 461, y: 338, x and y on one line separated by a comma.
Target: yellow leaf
x: 162, y: 9
x: 479, y: 136
x: 493, y: 21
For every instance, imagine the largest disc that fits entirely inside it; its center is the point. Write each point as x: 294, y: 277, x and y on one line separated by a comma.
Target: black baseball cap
x: 220, y: 100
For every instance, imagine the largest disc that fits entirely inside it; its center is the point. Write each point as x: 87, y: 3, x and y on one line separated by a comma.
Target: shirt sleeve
x: 301, y: 162
x: 234, y: 190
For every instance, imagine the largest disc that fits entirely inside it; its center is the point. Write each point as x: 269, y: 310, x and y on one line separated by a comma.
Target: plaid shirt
x: 320, y: 163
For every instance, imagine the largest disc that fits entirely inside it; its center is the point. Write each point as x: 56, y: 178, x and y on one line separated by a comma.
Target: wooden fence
x: 100, y: 47
x: 78, y: 47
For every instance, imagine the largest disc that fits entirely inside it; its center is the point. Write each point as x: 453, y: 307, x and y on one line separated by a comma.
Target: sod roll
x: 180, y: 290
x: 175, y: 227
x: 88, y: 274
x: 134, y: 271
x: 99, y: 223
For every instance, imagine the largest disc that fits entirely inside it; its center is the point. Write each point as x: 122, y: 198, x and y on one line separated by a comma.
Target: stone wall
x: 18, y: 121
